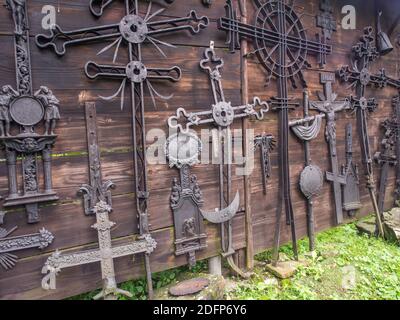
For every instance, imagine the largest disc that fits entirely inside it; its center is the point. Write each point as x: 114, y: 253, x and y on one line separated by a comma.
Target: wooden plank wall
x: 66, y: 78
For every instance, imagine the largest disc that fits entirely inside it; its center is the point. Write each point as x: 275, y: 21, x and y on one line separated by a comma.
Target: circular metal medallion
x: 136, y: 71
x: 183, y: 149
x: 311, y: 181
x: 133, y: 28
x: 189, y: 287
x: 223, y: 114
x: 363, y: 103
x: 365, y: 76
x: 26, y: 111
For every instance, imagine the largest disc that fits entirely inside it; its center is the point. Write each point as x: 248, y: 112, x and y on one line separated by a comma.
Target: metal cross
x: 8, y: 245
x: 21, y: 111
x: 281, y: 45
x: 222, y: 114
x: 396, y: 105
x: 132, y: 30
x: 325, y: 19
x: 311, y: 178
x: 266, y: 143
x: 390, y: 153
x: 359, y: 76
x: 329, y: 106
x: 97, y: 192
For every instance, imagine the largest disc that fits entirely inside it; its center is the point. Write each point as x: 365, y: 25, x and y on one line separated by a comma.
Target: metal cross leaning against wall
x: 97, y: 192
x: 281, y: 45
x: 222, y: 114
x: 311, y: 178
x: 390, y: 152
x: 330, y: 106
x: 21, y: 110
x: 351, y: 190
x: 396, y: 106
x: 359, y: 77
x: 134, y: 31
x: 266, y: 143
x: 182, y: 151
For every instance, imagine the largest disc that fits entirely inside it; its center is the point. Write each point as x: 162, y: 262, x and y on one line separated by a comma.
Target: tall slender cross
x: 281, y: 45
x: 222, y: 114
x: 359, y: 77
x: 132, y: 30
x: 390, y: 153
x: 97, y: 201
x: 330, y: 106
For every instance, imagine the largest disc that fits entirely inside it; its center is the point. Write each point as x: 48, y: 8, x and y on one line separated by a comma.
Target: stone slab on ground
x: 283, y: 269
x: 214, y: 291
x: 366, y: 226
x: 391, y: 224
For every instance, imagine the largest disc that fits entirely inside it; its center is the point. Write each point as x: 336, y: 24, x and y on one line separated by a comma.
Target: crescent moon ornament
x: 224, y: 215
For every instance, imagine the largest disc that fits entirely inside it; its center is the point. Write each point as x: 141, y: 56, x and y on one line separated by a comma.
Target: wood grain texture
x: 65, y: 76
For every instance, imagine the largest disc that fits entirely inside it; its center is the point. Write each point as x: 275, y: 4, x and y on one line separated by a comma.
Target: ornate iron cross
x: 21, y: 111
x: 389, y: 154
x: 132, y: 30
x: 281, y: 45
x: 222, y: 114
x: 359, y: 76
x: 396, y: 105
x: 266, y: 143
x: 325, y: 19
x: 182, y: 151
x: 311, y: 178
x: 8, y: 245
x: 97, y: 192
x: 330, y: 106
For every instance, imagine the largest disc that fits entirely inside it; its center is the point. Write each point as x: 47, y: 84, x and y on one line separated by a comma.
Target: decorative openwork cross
x: 8, y: 245
x: 330, y: 106
x: 182, y: 151
x: 389, y: 154
x: 396, y: 105
x: 97, y: 192
x: 325, y: 19
x: 281, y: 45
x: 222, y: 114
x: 132, y: 30
x: 359, y: 76
x: 266, y: 143
x: 21, y: 111
x: 311, y: 178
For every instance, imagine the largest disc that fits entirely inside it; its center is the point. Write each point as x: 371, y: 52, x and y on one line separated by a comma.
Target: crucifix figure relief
x: 329, y: 106
x: 222, y: 114
x: 97, y: 201
x: 281, y: 45
x: 22, y: 110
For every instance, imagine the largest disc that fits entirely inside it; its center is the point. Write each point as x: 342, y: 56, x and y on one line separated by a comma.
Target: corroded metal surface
x: 266, y: 143
x: 330, y: 106
x: 182, y: 151
x: 189, y: 287
x: 20, y: 111
x: 97, y: 192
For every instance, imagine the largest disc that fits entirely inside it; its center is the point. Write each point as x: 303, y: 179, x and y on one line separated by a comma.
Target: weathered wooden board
x: 66, y: 77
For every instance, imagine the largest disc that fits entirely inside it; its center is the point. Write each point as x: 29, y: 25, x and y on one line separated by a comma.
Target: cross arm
x: 58, y: 40
x: 192, y: 22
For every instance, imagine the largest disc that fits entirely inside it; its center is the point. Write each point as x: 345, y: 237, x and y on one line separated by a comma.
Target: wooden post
x: 247, y: 181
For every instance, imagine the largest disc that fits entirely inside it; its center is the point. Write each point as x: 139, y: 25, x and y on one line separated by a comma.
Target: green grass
x: 345, y: 265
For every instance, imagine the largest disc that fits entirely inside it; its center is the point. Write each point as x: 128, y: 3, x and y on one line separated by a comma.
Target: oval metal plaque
x: 311, y: 181
x: 183, y: 149
x: 26, y: 111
